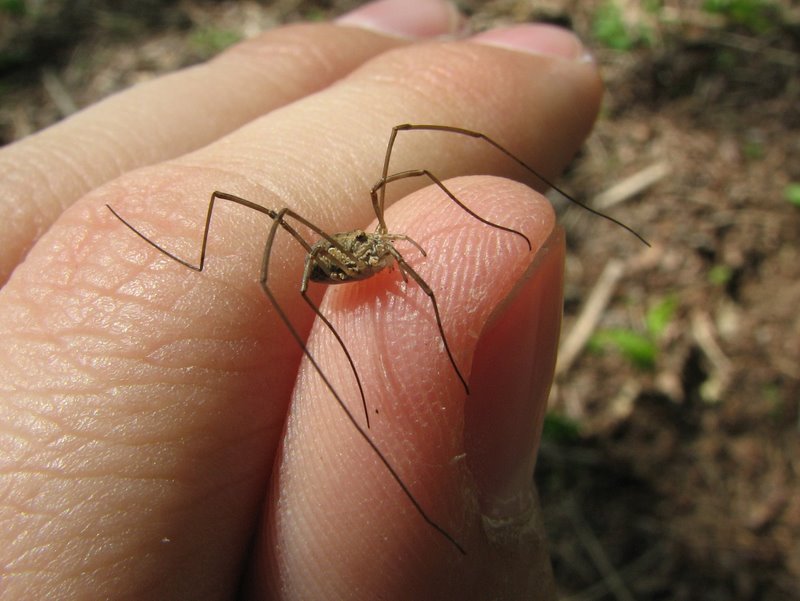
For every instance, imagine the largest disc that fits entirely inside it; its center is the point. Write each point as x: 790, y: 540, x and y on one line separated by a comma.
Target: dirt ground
x: 669, y: 468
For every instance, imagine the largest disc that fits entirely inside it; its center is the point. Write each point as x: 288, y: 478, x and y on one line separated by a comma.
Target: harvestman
x: 357, y: 255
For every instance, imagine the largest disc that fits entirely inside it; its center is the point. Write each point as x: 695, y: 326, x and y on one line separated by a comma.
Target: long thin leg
x: 277, y: 218
x: 310, y: 258
x: 264, y: 281
x: 381, y: 185
x: 475, y: 134
x: 214, y: 197
x: 406, y: 268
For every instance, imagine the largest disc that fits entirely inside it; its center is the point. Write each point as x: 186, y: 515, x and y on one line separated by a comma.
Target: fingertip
x: 424, y: 530
x: 537, y: 38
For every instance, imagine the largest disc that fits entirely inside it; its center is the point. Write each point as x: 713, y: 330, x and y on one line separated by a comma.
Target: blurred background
x: 670, y: 467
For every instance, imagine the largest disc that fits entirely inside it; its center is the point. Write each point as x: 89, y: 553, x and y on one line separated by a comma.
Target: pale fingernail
x: 406, y: 18
x: 537, y: 38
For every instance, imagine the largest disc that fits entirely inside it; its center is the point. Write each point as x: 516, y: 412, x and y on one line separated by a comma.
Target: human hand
x: 150, y: 449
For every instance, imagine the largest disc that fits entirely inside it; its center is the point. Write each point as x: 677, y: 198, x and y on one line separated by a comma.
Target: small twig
x: 754, y: 45
x: 643, y: 564
x: 715, y: 24
x: 58, y: 93
x: 616, y: 585
x: 631, y: 186
x: 590, y: 315
x: 703, y: 334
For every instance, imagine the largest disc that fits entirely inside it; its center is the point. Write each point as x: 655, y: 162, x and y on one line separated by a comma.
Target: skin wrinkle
x: 65, y: 342
x: 67, y: 156
x: 355, y: 190
x: 55, y: 157
x: 344, y: 158
x: 248, y: 180
x: 304, y: 58
x: 20, y: 202
x: 56, y: 515
x: 120, y: 143
x: 316, y: 184
x: 307, y: 548
x: 117, y: 481
x: 168, y: 355
x: 28, y: 425
x: 402, y: 62
x: 372, y: 73
x: 57, y: 471
x: 292, y: 42
x: 428, y: 78
x: 102, y: 561
x: 391, y: 376
x: 30, y: 207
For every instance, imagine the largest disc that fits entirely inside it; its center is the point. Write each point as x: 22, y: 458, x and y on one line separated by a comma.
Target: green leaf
x: 315, y: 14
x: 639, y: 349
x: 792, y: 193
x: 208, y: 41
x: 753, y: 149
x: 15, y: 8
x: 659, y: 317
x: 610, y: 28
x: 756, y: 15
x: 719, y: 275
x: 560, y: 428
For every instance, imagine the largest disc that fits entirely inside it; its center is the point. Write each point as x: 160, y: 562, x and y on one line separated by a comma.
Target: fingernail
x: 510, y: 382
x: 537, y: 38
x: 406, y: 18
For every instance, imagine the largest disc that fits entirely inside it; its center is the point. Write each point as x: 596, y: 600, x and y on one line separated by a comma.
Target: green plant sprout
x: 756, y: 16
x: 15, y: 8
x: 792, y: 193
x: 640, y: 348
x: 208, y: 41
x: 559, y: 428
x: 719, y: 275
x: 753, y: 149
x: 610, y: 28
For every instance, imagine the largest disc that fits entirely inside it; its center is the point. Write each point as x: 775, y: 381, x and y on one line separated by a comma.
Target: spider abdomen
x: 357, y: 255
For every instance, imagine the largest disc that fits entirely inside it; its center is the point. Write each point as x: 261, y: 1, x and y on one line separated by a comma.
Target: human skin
x: 161, y: 435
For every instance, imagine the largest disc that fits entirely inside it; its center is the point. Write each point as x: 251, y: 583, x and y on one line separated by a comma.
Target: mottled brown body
x: 353, y: 256
x: 358, y: 256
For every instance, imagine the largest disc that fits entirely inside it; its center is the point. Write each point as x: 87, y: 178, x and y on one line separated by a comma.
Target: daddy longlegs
x: 357, y: 255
